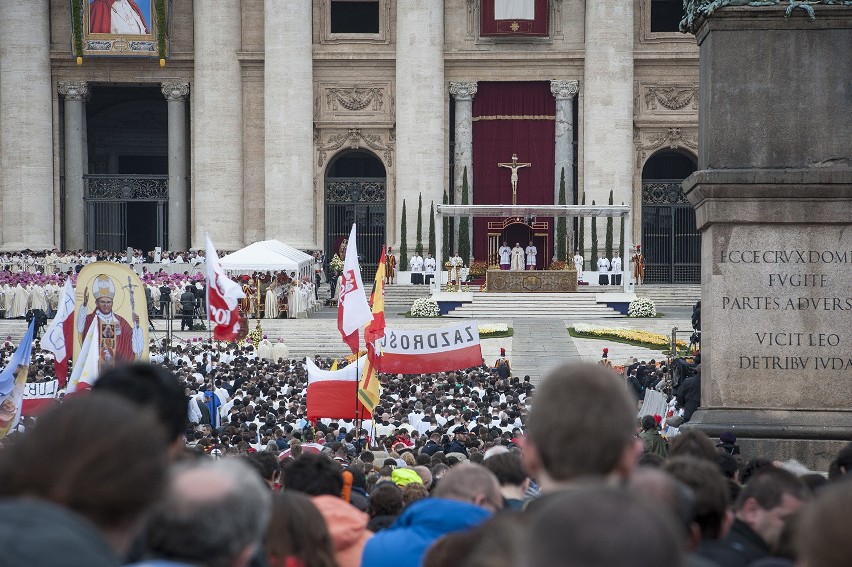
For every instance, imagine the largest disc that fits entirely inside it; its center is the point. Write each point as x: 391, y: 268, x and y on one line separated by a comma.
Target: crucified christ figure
x: 514, y: 166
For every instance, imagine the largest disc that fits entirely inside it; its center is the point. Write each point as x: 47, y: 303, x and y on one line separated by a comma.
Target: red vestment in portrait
x: 119, y: 345
x: 100, y: 16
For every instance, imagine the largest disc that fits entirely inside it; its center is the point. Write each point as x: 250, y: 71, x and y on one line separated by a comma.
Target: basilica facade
x: 152, y: 122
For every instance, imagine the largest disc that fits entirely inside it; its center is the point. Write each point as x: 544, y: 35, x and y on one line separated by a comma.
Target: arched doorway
x: 670, y: 241
x: 355, y: 191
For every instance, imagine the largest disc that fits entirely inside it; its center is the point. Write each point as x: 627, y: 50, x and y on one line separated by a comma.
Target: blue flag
x: 13, y: 379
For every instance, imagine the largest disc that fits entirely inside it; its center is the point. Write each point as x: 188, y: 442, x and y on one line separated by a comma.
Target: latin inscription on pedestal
x: 780, y: 315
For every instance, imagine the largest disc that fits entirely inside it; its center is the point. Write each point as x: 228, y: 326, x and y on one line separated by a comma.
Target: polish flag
x: 333, y: 393
x: 40, y: 397
x: 353, y: 311
x: 59, y: 335
x: 85, y: 372
x: 223, y: 296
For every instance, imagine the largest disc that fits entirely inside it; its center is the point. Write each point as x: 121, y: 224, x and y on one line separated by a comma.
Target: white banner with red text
x: 39, y: 396
x: 425, y: 351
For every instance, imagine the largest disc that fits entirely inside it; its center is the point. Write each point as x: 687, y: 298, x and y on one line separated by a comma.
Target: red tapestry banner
x: 513, y: 118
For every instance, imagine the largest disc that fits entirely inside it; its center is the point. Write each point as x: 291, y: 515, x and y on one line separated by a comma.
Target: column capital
x: 564, y: 90
x: 463, y: 90
x: 175, y: 90
x: 74, y: 90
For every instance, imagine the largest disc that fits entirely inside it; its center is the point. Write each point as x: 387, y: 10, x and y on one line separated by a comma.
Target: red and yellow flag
x: 368, y: 386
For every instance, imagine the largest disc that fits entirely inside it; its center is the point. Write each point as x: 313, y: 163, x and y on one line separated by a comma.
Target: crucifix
x: 514, y: 166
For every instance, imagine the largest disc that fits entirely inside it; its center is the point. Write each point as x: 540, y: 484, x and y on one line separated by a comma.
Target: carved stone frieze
x: 366, y: 103
x: 671, y: 97
x: 647, y: 141
x: 355, y: 138
x: 355, y: 98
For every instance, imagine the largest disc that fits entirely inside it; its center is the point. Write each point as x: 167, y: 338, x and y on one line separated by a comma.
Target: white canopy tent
x: 268, y: 256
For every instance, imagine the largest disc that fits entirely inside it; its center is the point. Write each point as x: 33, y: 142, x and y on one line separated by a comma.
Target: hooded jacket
x: 405, y: 543
x: 37, y: 533
x: 347, y: 526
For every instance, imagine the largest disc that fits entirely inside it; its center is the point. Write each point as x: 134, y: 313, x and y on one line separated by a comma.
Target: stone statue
x: 514, y: 166
x: 695, y: 10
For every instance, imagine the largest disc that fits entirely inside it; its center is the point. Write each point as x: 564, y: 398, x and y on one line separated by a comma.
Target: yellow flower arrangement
x: 645, y: 337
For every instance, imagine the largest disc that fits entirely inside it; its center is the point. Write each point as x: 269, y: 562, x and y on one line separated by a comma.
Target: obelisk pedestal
x: 773, y: 198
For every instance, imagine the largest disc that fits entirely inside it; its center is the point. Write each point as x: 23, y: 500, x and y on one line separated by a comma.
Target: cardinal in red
x: 117, y: 16
x: 117, y: 340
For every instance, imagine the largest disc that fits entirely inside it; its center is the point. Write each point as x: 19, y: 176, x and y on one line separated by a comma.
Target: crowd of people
x: 32, y: 281
x: 205, y: 457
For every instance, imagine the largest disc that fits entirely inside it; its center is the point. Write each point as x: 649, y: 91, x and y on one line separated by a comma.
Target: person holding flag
x: 13, y: 380
x: 368, y: 387
x: 353, y: 311
x: 223, y: 297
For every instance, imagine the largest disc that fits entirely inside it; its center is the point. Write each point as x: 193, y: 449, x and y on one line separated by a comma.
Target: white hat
x: 103, y: 287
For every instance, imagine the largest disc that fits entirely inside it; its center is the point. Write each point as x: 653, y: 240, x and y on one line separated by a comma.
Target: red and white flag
x: 440, y: 349
x: 332, y: 393
x: 59, y: 335
x: 353, y: 311
x: 40, y: 397
x: 223, y: 298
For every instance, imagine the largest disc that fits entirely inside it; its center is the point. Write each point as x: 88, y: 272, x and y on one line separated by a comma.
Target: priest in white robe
x: 518, y: 258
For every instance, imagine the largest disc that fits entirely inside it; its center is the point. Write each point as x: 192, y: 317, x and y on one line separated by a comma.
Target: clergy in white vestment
x: 517, y: 257
x: 456, y: 263
x: 531, y: 252
x: 270, y: 309
x: 505, y: 254
x: 21, y: 302
x: 615, y: 264
x: 578, y: 265
x: 603, y: 268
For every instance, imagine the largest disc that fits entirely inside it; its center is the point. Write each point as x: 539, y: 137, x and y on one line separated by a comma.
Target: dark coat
x: 690, y: 393
x: 41, y: 534
x: 746, y: 543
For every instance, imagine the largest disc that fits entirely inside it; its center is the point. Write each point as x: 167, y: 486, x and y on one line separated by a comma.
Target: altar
x: 531, y: 281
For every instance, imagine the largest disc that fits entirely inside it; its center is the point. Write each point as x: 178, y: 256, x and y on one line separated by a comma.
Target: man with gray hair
x: 213, y: 515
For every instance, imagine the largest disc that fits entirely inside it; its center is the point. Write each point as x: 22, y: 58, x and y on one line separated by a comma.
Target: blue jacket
x: 405, y: 543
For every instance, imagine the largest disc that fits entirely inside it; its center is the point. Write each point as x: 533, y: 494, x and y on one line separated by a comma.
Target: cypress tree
x: 581, y: 234
x: 621, y: 240
x: 608, y: 241
x: 403, y: 244
x: 464, y: 225
x: 432, y: 228
x: 418, y: 247
x: 594, y: 251
x: 561, y: 224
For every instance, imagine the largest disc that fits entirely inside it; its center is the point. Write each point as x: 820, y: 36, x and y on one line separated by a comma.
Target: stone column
x: 75, y: 94
x: 608, y: 105
x: 564, y: 92
x: 176, y: 93
x: 26, y: 126
x: 463, y: 93
x: 288, y: 96
x: 420, y: 100
x: 217, y: 111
